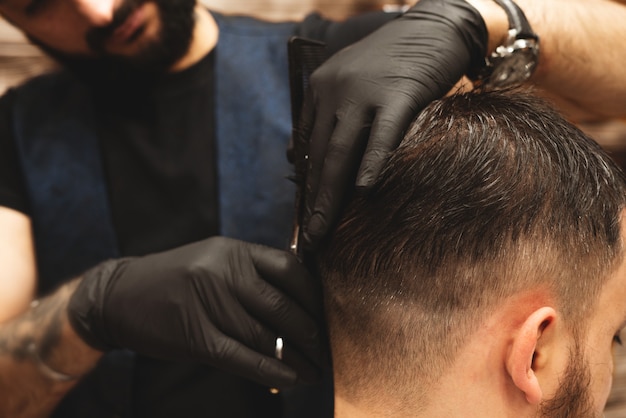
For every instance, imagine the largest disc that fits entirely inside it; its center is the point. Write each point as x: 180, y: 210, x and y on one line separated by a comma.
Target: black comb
x: 305, y: 55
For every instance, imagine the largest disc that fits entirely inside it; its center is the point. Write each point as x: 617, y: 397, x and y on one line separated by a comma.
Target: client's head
x: 483, y: 275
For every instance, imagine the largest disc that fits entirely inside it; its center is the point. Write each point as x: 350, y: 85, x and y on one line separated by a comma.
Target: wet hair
x: 488, y: 195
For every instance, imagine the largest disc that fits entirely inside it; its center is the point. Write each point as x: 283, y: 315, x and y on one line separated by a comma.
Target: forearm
x: 582, y: 53
x: 26, y: 391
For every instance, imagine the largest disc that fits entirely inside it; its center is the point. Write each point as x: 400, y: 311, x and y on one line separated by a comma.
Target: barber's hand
x: 220, y: 301
x: 373, y: 89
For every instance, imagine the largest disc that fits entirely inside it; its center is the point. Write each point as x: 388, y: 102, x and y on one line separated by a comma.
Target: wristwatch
x: 514, y: 61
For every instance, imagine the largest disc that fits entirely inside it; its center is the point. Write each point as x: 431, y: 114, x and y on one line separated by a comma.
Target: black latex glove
x: 374, y: 89
x: 220, y: 301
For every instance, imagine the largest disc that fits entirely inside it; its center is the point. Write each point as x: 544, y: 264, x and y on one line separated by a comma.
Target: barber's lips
x: 128, y: 30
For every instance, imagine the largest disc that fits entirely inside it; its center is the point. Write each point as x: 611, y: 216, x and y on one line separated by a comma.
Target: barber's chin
x: 142, y: 27
x: 128, y: 50
x: 130, y: 29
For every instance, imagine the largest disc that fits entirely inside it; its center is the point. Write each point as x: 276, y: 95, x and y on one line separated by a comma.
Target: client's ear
x: 527, y: 355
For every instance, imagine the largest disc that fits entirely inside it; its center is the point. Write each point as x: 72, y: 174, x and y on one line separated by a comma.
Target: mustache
x: 96, y: 37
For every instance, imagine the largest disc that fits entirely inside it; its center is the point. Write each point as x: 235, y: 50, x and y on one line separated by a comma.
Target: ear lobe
x: 521, y: 361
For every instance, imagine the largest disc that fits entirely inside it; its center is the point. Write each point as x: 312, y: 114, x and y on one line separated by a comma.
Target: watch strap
x: 517, y: 19
x: 519, y: 30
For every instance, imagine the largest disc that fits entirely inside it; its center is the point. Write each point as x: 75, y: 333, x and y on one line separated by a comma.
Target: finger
x: 387, y: 132
x: 236, y: 358
x: 303, y: 319
x: 284, y: 317
x: 337, y: 175
x: 262, y: 340
x: 285, y: 272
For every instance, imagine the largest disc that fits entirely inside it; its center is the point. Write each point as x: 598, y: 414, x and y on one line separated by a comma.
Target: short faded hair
x: 489, y: 194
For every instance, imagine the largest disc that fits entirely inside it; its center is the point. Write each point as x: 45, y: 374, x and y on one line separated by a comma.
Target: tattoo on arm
x: 41, y: 324
x: 32, y: 346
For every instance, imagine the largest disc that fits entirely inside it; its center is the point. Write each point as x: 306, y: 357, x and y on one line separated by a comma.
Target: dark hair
x: 489, y: 194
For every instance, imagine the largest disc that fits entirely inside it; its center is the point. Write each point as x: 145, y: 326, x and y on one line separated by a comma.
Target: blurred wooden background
x: 20, y: 60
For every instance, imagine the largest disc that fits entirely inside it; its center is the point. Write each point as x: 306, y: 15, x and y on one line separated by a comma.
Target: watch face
x: 512, y: 64
x: 514, y: 69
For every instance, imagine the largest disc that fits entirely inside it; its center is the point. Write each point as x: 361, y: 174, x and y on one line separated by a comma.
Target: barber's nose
x: 97, y: 12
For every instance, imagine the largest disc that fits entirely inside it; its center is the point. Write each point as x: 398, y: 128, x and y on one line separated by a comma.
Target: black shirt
x: 158, y: 150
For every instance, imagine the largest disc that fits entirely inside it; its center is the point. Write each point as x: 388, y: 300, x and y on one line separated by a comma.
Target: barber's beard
x: 172, y: 43
x: 573, y: 398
